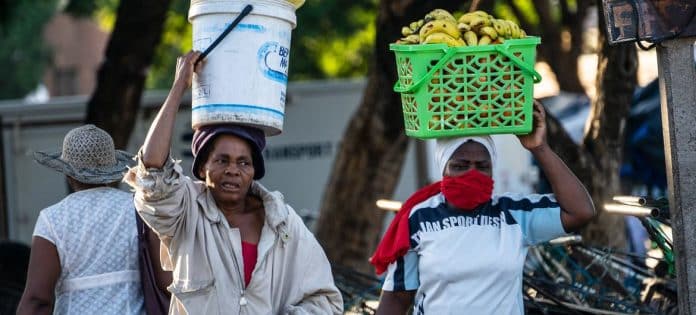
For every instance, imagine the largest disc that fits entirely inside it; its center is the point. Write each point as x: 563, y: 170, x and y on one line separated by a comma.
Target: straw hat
x: 88, y: 156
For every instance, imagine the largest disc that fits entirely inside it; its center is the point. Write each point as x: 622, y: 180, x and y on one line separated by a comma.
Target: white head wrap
x: 445, y: 147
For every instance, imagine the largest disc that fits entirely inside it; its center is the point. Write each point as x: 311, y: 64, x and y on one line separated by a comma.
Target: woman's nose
x: 232, y: 169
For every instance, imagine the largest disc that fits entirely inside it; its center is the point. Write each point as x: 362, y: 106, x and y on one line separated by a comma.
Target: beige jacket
x: 292, y: 274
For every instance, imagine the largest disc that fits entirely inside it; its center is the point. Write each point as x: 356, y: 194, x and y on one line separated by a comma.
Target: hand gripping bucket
x: 244, y: 78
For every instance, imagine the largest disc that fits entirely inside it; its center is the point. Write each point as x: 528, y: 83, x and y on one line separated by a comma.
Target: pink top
x: 249, y: 254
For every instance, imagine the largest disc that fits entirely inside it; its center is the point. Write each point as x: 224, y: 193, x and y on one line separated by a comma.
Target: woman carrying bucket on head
x: 234, y: 246
x: 455, y: 249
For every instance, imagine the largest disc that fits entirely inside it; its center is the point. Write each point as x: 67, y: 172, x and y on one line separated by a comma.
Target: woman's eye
x: 244, y: 163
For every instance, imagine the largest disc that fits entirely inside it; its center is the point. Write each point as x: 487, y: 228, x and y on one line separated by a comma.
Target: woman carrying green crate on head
x: 455, y: 249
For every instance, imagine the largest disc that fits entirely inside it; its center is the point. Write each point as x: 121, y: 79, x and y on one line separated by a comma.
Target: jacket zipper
x: 242, y: 299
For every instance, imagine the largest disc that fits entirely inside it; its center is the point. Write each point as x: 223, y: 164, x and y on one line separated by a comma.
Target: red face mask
x: 467, y: 191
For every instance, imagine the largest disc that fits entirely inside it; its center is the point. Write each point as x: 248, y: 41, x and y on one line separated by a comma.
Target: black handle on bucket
x: 247, y: 9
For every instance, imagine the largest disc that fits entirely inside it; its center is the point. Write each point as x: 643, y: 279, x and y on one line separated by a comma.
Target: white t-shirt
x: 97, y: 242
x: 472, y: 262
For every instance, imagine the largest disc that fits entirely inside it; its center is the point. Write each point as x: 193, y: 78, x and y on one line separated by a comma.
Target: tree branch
x: 121, y: 77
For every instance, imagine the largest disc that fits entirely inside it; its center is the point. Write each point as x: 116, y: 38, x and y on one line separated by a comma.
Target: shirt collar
x: 273, y: 202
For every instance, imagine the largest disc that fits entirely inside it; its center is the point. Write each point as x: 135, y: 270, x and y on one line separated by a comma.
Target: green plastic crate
x: 470, y: 90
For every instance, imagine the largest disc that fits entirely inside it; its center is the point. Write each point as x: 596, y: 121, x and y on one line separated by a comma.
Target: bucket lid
x: 281, y: 9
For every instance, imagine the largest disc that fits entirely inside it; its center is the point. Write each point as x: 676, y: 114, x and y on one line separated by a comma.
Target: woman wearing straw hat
x: 84, y: 255
x: 455, y: 249
x: 234, y: 246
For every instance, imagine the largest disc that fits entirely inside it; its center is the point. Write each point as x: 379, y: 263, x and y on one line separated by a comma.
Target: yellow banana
x: 478, y: 22
x: 439, y: 26
x: 413, y: 39
x: 499, y: 27
x: 502, y: 27
x: 508, y: 28
x: 406, y: 31
x: 467, y: 17
x: 488, y: 31
x: 514, y: 30
x: 410, y: 39
x: 470, y: 29
x: 439, y: 14
x: 480, y: 13
x: 441, y: 38
x: 484, y: 24
x: 470, y: 38
x: 463, y: 27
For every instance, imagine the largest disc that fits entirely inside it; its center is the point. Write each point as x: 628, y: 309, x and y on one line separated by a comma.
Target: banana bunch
x: 471, y: 29
x: 410, y: 33
x: 481, y: 28
x: 438, y: 26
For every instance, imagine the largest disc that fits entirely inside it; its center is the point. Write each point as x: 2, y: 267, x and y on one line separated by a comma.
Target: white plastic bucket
x: 245, y: 77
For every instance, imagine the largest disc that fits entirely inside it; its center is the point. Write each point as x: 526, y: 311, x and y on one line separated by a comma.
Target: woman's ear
x: 200, y: 172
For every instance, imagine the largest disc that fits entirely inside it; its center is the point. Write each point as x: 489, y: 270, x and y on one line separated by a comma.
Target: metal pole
x: 677, y: 75
x: 4, y: 214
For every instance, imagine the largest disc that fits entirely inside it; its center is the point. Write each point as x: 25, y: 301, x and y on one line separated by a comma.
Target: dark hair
x: 203, y: 156
x: 76, y: 185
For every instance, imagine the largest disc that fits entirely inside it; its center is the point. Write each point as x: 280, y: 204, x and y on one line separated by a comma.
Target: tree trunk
x: 562, y: 54
x: 121, y: 77
x: 604, y: 139
x: 597, y: 160
x: 370, y: 158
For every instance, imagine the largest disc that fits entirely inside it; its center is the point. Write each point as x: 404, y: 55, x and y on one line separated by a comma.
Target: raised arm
x: 576, y: 204
x: 161, y: 192
x: 159, y: 137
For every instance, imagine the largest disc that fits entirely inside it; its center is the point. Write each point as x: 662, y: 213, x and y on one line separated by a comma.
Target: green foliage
x: 23, y: 54
x: 80, y: 8
x: 503, y: 10
x: 176, y: 37
x: 99, y: 8
x: 105, y: 14
x: 176, y: 40
x: 333, y: 39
